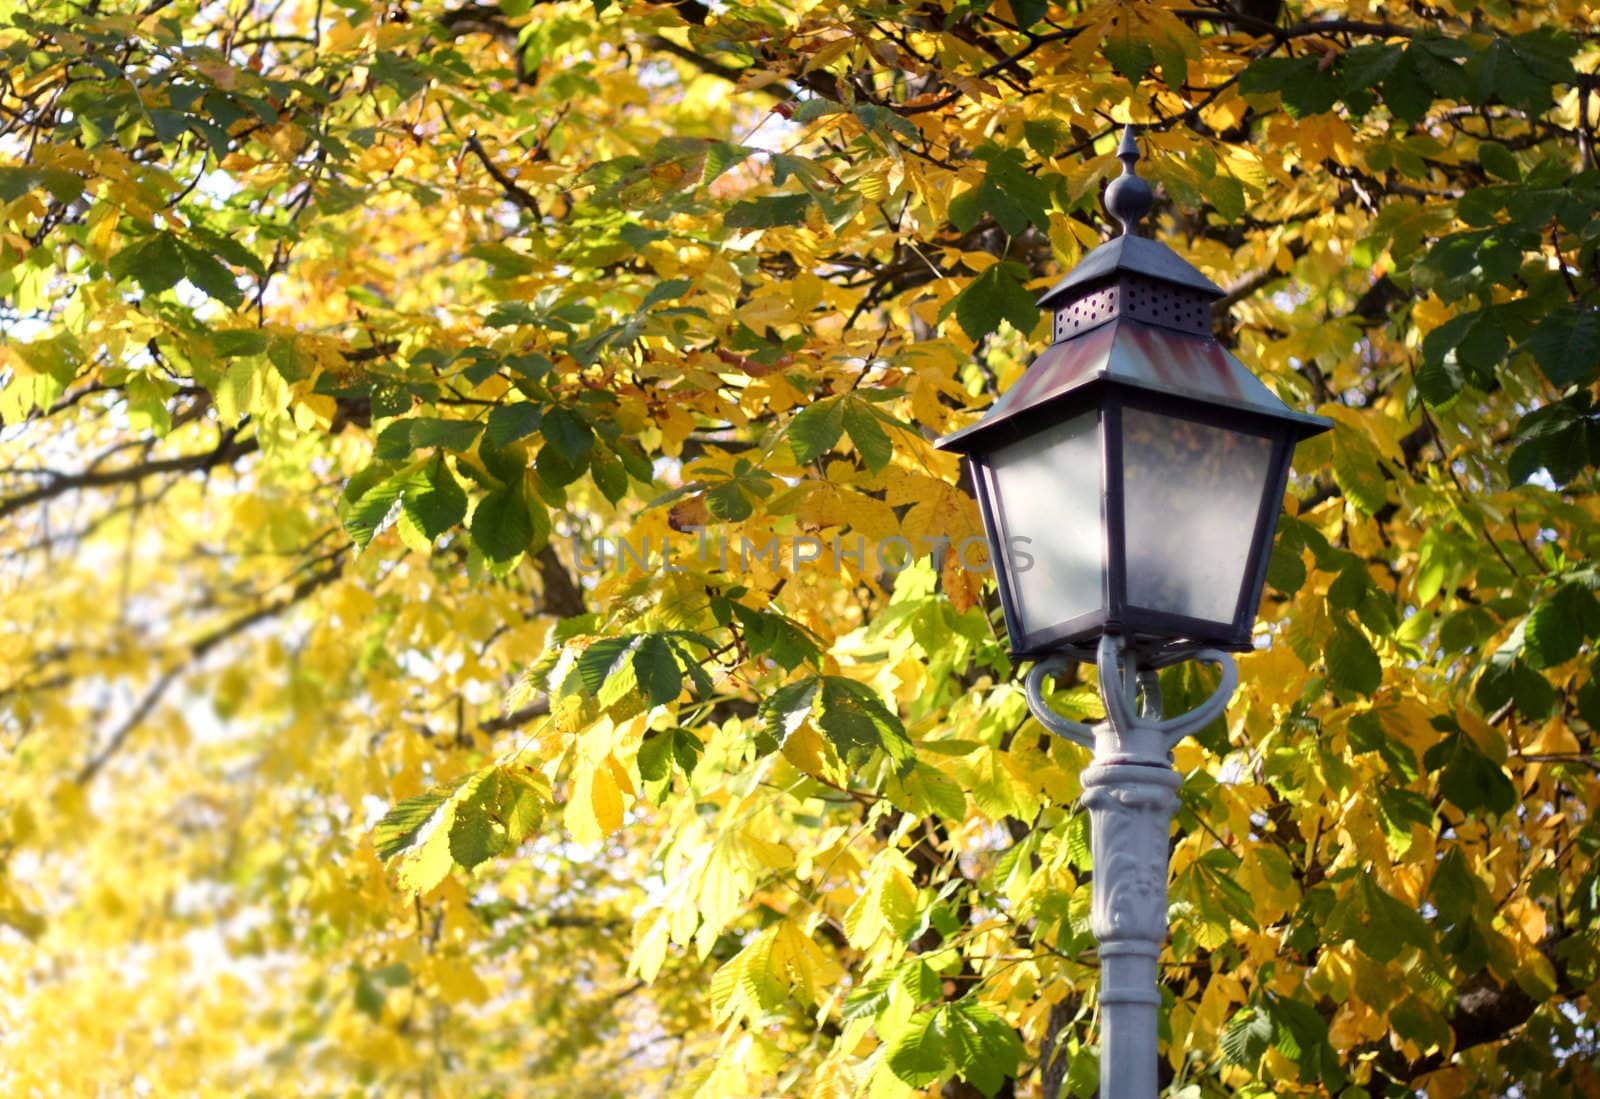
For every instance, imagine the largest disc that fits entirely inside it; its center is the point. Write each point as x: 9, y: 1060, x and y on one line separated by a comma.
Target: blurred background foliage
x: 337, y: 762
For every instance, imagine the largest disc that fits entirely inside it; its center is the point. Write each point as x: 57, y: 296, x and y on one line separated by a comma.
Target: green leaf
x: 1524, y: 70
x: 920, y: 1055
x: 1470, y: 780
x: 238, y: 342
x: 866, y: 432
x: 1083, y: 1074
x: 868, y: 1001
x: 398, y: 828
x: 155, y: 263
x: 1498, y: 161
x: 857, y: 723
x: 1301, y: 1034
x: 1558, y: 626
x: 1010, y: 193
x: 768, y: 212
x: 555, y: 469
x: 926, y: 791
x: 996, y: 295
x: 609, y: 474
x: 1455, y: 890
x: 656, y: 668
x: 1304, y: 85
x: 1362, y: 68
x: 1467, y: 263
x: 210, y: 275
x: 1562, y: 438
x: 655, y: 755
x: 1567, y: 345
x: 501, y: 525
x: 438, y: 503
x: 1588, y: 699
x: 567, y: 432
x: 1434, y: 61
x: 1227, y: 196
x: 1286, y: 572
x: 228, y: 248
x: 1131, y: 57
x: 604, y: 659
x: 984, y: 1047
x: 520, y: 807
x: 1347, y: 591
x: 1247, y: 1037
x: 787, y: 708
x: 661, y: 749
x: 17, y: 181
x: 776, y: 636
x: 1029, y: 12
x: 1473, y: 342
x: 369, y: 998
x: 1352, y: 662
x: 434, y: 431
x: 366, y: 515
x: 510, y: 422
x: 1532, y: 693
x: 667, y: 290
x: 395, y: 975
x: 817, y: 429
x: 393, y: 442
x: 1044, y: 135
x: 1080, y: 847
x: 729, y: 503
x: 1399, y: 809
x: 1216, y: 870
x: 686, y: 750
x: 474, y: 837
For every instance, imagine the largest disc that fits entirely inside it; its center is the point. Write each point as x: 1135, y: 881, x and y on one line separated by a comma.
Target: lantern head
x: 1130, y: 482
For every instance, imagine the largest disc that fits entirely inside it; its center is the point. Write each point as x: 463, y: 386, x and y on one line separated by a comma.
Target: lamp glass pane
x: 1047, y: 488
x: 1191, y: 499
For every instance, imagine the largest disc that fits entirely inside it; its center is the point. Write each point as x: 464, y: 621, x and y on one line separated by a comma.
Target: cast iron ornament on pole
x: 1143, y: 467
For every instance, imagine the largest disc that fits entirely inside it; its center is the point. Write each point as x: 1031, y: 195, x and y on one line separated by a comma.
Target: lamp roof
x: 1140, y: 356
x: 1132, y: 254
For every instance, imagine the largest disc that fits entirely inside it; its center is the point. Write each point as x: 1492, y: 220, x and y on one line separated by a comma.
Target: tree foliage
x: 342, y: 757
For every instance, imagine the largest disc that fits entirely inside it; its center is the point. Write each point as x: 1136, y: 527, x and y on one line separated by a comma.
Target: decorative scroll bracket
x: 1132, y: 697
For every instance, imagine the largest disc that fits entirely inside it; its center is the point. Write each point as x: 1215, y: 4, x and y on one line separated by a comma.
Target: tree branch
x: 229, y: 448
x: 196, y: 650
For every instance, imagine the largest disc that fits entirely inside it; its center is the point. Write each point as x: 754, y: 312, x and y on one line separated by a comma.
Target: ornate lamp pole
x: 1142, y: 466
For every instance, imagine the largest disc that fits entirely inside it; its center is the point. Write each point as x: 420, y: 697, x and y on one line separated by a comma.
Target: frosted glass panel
x: 1047, y: 488
x: 1191, y: 496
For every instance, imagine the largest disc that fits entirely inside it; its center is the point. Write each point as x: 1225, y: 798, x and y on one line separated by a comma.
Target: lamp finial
x: 1129, y: 197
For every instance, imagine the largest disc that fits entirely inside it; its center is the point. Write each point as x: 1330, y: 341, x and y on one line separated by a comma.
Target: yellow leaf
x: 888, y: 902
x: 651, y: 937
x: 594, y: 809
x: 798, y: 959
x: 963, y: 585
x: 425, y: 863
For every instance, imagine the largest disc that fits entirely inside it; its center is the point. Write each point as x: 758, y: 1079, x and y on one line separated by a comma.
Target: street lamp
x: 1130, y: 484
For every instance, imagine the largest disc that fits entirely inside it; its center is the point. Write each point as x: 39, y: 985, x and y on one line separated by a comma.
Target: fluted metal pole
x: 1130, y: 812
x: 1131, y: 791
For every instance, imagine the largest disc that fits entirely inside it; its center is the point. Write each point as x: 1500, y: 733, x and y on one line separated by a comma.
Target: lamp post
x: 1142, y: 466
